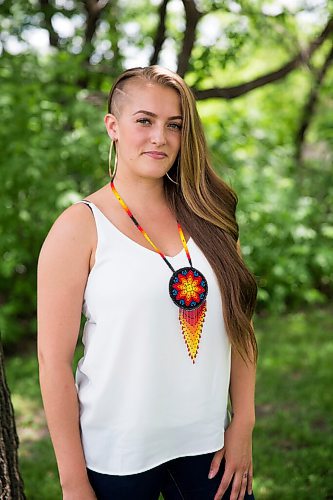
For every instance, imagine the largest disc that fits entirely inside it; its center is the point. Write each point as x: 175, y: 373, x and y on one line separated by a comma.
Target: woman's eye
x: 176, y: 126
x: 144, y: 121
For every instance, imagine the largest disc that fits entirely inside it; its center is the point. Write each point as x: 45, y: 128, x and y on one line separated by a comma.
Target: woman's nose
x: 158, y: 136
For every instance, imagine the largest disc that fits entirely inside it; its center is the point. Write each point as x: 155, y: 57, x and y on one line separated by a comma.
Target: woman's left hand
x: 237, y: 452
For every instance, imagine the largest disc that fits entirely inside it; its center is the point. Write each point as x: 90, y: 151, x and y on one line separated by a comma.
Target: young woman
x: 152, y: 259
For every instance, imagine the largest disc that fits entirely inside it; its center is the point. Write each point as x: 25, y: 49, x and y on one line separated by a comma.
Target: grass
x: 293, y: 438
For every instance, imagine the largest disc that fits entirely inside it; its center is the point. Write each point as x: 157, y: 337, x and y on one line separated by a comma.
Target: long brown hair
x: 206, y: 207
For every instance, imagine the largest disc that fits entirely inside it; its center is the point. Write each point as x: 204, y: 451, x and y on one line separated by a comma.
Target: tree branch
x: 160, y: 33
x: 192, y: 18
x: 311, y: 103
x: 93, y: 9
x: 303, y: 57
x: 48, y: 12
x: 11, y: 484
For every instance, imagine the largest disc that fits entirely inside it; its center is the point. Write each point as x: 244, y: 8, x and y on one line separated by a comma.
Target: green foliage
x: 284, y: 210
x: 293, y: 437
x: 50, y: 144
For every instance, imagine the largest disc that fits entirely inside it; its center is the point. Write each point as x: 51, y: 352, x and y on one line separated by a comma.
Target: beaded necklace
x: 188, y: 288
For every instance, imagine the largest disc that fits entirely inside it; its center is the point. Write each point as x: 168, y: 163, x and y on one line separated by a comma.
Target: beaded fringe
x: 192, y: 323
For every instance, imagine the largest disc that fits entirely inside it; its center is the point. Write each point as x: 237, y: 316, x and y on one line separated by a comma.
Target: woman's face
x: 147, y: 128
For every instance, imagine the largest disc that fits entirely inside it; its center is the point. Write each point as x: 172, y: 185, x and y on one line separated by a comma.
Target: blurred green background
x: 262, y: 73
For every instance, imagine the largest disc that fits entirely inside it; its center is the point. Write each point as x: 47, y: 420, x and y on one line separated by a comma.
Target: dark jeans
x: 184, y: 478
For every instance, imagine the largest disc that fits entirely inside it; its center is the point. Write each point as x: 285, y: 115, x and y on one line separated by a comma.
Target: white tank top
x: 142, y: 400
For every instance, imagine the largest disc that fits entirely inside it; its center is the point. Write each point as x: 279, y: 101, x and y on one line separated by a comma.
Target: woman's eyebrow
x: 150, y: 113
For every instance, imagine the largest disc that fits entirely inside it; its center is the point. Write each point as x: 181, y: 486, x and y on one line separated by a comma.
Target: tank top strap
x: 103, y: 228
x: 86, y: 202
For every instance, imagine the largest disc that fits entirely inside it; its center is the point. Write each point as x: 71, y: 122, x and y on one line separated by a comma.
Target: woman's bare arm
x: 63, y: 269
x: 242, y: 383
x: 237, y: 449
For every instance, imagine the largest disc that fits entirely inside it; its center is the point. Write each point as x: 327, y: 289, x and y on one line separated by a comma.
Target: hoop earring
x: 168, y: 176
x: 112, y: 174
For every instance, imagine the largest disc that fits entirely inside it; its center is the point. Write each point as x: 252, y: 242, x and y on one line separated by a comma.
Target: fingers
x: 216, y: 462
x: 243, y: 485
x: 225, y: 481
x: 249, y: 479
x: 240, y: 481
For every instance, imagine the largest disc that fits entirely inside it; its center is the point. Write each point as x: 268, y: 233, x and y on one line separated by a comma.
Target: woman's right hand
x: 82, y: 492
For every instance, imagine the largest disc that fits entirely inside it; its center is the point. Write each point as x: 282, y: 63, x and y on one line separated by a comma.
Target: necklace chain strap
x: 140, y: 228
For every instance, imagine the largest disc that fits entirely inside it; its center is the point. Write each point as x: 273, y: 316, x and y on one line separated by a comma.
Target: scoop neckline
x: 135, y: 242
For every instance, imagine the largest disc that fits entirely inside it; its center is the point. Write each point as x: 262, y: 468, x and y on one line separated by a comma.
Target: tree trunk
x: 11, y: 484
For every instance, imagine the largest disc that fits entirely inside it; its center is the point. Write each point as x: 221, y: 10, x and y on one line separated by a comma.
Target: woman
x: 166, y: 339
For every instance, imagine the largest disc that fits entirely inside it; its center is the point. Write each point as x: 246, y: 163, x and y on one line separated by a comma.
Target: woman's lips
x: 157, y: 155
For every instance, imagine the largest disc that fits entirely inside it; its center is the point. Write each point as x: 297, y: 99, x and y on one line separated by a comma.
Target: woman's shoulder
x: 72, y: 233
x: 75, y: 226
x: 71, y: 240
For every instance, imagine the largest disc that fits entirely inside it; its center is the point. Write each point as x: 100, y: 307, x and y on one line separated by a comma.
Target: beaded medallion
x: 188, y: 288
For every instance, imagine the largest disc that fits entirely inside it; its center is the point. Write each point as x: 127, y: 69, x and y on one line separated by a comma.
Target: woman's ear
x: 111, y: 125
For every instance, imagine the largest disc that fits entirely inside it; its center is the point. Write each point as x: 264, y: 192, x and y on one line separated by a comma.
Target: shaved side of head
x: 121, y: 95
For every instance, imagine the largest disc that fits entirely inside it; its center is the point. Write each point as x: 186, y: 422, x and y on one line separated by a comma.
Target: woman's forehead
x: 149, y: 96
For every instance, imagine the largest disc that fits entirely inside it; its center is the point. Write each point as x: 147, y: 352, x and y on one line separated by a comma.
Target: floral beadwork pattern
x: 188, y: 288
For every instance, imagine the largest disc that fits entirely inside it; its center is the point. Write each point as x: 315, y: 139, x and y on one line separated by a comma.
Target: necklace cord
x: 140, y: 228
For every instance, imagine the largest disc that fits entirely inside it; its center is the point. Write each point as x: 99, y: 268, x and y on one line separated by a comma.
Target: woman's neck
x: 141, y: 192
